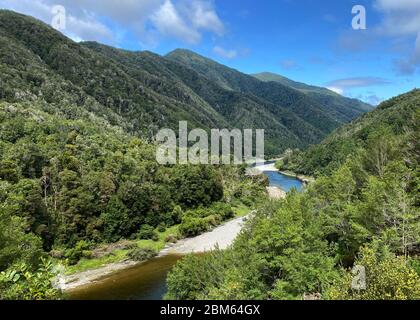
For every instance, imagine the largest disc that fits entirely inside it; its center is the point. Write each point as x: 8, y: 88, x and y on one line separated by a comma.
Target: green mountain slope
x: 343, y: 108
x: 143, y: 92
x: 397, y: 116
x: 239, y: 110
x: 315, y: 107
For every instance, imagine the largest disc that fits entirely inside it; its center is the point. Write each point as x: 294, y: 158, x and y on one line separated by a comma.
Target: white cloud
x: 168, y: 21
x: 78, y: 27
x: 205, y: 17
x: 402, y: 18
x: 224, y: 53
x: 358, y: 82
x: 148, y: 20
x: 398, y: 4
x: 341, y: 86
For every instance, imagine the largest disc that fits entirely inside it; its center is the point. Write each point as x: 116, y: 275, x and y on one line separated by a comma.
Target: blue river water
x: 283, y: 182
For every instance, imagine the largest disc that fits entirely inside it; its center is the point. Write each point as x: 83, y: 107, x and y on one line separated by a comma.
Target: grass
x: 89, y: 264
x: 241, y: 210
x: 121, y: 254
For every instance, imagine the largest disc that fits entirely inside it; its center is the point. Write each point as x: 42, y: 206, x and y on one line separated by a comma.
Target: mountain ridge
x: 143, y: 91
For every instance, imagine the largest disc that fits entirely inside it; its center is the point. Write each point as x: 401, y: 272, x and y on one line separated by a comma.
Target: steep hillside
x: 102, y: 80
x: 341, y: 107
x: 235, y: 109
x: 398, y: 117
x: 318, y: 112
x: 143, y: 92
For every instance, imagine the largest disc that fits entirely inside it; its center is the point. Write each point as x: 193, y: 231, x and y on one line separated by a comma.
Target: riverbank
x: 305, y: 179
x: 221, y: 236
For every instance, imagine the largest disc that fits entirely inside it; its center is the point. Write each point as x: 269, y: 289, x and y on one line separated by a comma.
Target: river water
x: 147, y: 281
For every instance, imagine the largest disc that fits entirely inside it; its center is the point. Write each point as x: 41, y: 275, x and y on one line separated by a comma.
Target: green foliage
x: 15, y: 244
x: 81, y: 249
x: 19, y: 282
x: 147, y: 232
x: 387, y: 278
x: 116, y: 220
x: 191, y: 227
x: 141, y: 254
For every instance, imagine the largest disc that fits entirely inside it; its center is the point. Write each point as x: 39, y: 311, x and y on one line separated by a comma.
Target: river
x: 147, y: 281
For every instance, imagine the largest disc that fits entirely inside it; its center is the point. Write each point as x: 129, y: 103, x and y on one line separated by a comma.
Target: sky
x: 312, y: 41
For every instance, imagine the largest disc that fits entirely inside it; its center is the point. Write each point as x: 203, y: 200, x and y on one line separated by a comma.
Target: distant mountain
x: 142, y: 92
x: 342, y: 107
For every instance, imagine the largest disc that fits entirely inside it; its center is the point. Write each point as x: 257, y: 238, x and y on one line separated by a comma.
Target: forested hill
x: 384, y: 132
x: 312, y: 105
x: 363, y: 210
x: 341, y: 107
x: 142, y: 91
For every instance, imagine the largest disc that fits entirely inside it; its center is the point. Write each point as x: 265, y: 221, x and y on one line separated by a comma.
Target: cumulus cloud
x: 402, y: 18
x: 373, y: 99
x: 225, y: 53
x: 203, y: 16
x: 168, y: 21
x: 370, y: 97
x: 148, y: 20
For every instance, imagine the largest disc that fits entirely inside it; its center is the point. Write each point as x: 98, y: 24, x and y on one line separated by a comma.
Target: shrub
x: 80, y: 250
x: 171, y: 238
x: 141, y: 254
x: 388, y: 277
x: 191, y: 227
x: 20, y: 282
x: 213, y: 220
x: 147, y: 232
x: 223, y: 210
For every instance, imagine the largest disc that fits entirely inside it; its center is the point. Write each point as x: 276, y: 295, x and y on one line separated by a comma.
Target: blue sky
x: 306, y: 40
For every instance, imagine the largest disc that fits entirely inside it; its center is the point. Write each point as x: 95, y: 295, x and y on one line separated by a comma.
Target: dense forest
x: 363, y: 210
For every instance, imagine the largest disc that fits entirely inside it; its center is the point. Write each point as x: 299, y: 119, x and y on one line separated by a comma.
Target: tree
x: 115, y: 220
